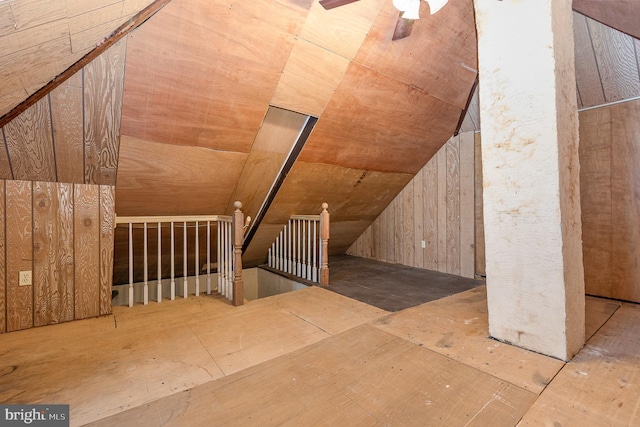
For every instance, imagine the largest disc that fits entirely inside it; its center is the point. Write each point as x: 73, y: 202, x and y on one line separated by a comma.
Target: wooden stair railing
x: 301, y: 248
x: 229, y: 237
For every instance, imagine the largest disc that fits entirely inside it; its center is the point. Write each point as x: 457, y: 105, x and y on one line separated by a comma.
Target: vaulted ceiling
x: 212, y: 95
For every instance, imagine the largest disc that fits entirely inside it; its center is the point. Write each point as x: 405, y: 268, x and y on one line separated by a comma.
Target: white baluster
x: 208, y: 257
x: 146, y: 268
x: 314, y: 270
x: 219, y: 257
x: 159, y: 263
x: 308, y: 250
x: 285, y: 249
x: 197, y: 262
x: 130, y: 265
x: 229, y: 253
x: 185, y: 283
x: 173, y: 264
x: 299, y: 243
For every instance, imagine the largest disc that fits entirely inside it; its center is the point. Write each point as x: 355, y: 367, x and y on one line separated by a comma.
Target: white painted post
x: 197, y: 262
x: 530, y: 166
x: 185, y: 283
x: 159, y: 263
x: 173, y: 264
x: 146, y: 267
x: 130, y: 265
x: 298, y: 244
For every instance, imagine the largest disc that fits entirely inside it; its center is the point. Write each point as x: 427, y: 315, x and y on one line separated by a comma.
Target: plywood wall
x: 438, y: 208
x: 610, y: 199
x: 62, y: 234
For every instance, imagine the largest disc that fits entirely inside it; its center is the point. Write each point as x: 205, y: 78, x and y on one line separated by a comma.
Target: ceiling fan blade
x: 330, y: 4
x: 403, y: 28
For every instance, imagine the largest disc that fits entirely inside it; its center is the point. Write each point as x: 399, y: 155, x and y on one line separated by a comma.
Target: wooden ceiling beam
x: 116, y: 36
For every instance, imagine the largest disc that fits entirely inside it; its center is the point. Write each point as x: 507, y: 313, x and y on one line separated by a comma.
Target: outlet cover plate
x: 25, y: 278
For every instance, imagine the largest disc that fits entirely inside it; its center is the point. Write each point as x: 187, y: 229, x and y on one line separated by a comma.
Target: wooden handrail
x: 176, y: 219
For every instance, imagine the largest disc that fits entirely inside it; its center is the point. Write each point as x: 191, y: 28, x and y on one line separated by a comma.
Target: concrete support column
x: 528, y: 111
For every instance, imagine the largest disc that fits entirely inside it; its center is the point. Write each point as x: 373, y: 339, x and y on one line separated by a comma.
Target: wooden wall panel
x: 30, y: 144
x: 53, y: 253
x: 87, y: 250
x: 430, y: 214
x: 617, y: 62
x: 5, y: 165
x: 453, y: 206
x: 107, y: 226
x: 625, y: 200
x: 480, y: 260
x: 19, y: 231
x: 467, y: 204
x: 67, y: 119
x: 587, y: 76
x: 103, y: 90
x: 436, y: 207
x: 3, y: 260
x: 595, y: 200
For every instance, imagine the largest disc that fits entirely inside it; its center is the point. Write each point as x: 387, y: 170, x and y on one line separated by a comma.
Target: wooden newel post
x: 237, y: 237
x: 324, y: 249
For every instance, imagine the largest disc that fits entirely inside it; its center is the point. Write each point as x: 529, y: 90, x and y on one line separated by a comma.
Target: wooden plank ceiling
x: 41, y: 39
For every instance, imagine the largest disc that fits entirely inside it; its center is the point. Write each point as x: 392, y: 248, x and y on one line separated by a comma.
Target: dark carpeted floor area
x: 391, y: 287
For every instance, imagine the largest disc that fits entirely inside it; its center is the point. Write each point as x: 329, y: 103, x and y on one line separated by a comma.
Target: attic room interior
x: 494, y: 142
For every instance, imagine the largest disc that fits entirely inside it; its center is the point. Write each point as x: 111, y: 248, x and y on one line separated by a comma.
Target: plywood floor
x: 314, y: 357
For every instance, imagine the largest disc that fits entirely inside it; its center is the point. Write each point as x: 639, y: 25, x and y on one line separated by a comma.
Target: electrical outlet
x: 423, y: 244
x: 25, y: 278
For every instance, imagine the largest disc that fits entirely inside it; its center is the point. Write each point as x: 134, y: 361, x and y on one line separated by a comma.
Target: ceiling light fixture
x: 411, y: 8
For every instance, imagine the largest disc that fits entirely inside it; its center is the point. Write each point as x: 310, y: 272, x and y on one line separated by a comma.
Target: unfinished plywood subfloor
x: 601, y: 385
x: 326, y: 360
x: 106, y: 365
x: 361, y: 377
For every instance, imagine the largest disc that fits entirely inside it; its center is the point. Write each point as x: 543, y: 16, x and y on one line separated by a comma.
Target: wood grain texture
x: 5, y: 164
x: 623, y: 15
x: 3, y: 260
x: 625, y: 198
x: 430, y: 43
x: 30, y: 144
x: 103, y: 90
x: 87, y: 250
x: 587, y: 76
x: 617, y: 62
x: 165, y: 179
x: 308, y: 89
x: 180, y: 84
x: 344, y: 29
x: 452, y: 206
x: 19, y: 231
x: 595, y: 200
x: 67, y: 119
x: 274, y: 140
x: 53, y: 253
x: 467, y: 205
x: 374, y: 122
x: 430, y: 185
x: 437, y: 207
x: 355, y: 198
x: 107, y: 226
